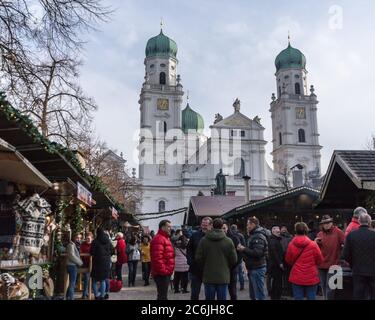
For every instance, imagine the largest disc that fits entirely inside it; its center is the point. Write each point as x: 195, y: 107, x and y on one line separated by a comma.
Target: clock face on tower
x: 300, y: 113
x: 163, y: 104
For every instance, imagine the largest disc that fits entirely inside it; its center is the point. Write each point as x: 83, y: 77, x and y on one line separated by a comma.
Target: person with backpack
x: 181, y: 269
x: 134, y: 255
x: 304, y: 256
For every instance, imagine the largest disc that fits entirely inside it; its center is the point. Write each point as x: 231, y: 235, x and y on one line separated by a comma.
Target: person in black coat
x: 232, y: 287
x: 195, y: 270
x: 101, y: 250
x: 275, y: 264
x: 359, y: 252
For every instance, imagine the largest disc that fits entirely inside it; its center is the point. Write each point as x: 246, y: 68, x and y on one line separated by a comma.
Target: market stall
x: 25, y: 225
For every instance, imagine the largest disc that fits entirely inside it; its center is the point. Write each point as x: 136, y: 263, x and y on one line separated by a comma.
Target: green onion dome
x: 290, y: 58
x: 161, y: 45
x: 191, y: 120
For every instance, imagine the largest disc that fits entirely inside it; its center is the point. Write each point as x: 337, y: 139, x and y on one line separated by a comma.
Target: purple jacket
x: 181, y: 260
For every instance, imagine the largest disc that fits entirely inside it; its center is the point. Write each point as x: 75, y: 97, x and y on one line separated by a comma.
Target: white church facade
x: 177, y: 161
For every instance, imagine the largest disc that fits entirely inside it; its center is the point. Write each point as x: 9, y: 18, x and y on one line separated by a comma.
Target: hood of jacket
x: 261, y: 230
x: 301, y: 241
x: 215, y: 235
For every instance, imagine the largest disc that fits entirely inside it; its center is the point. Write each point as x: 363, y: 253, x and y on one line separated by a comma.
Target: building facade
x: 177, y: 161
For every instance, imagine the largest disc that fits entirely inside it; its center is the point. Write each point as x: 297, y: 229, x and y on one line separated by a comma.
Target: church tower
x: 294, y: 117
x: 160, y: 108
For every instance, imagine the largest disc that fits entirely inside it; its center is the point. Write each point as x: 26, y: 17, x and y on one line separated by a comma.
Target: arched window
x: 162, y: 78
x: 280, y: 139
x: 279, y: 91
x: 301, y: 135
x: 297, y: 88
x: 163, y: 127
x: 161, y: 206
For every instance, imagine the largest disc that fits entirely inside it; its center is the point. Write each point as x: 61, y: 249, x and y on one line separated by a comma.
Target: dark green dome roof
x: 161, y: 45
x: 191, y: 120
x: 290, y: 58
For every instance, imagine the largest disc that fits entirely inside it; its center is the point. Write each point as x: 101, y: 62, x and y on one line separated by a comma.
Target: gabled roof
x: 271, y: 199
x: 237, y: 119
x: 358, y: 165
x: 214, y: 206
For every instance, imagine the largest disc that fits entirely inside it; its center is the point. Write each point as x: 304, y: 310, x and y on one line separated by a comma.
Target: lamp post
x: 297, y: 175
x: 246, y: 180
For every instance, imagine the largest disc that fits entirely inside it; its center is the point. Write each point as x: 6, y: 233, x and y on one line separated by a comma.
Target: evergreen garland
x: 76, y: 221
x: 27, y: 125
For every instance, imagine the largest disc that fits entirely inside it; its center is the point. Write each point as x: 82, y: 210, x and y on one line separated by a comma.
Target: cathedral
x: 177, y: 161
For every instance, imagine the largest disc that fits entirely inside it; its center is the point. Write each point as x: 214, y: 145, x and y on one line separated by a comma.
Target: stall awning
x: 16, y: 168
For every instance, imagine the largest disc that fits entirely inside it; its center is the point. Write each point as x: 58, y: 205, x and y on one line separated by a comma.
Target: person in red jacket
x: 304, y: 256
x: 162, y: 259
x: 330, y: 241
x: 122, y: 257
x: 354, y: 224
x: 85, y: 248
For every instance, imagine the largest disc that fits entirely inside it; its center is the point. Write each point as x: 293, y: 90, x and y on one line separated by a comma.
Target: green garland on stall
x: 76, y: 222
x: 27, y: 125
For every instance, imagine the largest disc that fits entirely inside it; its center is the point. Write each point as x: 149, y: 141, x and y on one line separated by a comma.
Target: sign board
x: 84, y: 195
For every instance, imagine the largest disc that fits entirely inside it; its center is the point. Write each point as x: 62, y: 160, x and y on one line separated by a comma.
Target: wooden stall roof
x: 350, y: 178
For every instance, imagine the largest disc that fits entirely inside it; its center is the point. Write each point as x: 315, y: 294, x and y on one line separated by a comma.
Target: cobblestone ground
x: 140, y: 292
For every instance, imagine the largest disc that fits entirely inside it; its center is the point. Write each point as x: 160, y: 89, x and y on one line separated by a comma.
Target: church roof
x: 237, y: 119
x: 161, y: 45
x: 290, y: 58
x: 191, y: 120
x: 214, y: 206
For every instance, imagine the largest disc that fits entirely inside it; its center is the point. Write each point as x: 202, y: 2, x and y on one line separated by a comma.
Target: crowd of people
x: 217, y: 256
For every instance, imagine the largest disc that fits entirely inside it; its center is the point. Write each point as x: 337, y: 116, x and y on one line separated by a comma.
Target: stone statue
x: 220, y: 184
x: 218, y: 117
x: 237, y: 105
x: 257, y: 119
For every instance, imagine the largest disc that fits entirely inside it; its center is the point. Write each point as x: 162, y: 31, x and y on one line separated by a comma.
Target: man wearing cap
x: 330, y: 241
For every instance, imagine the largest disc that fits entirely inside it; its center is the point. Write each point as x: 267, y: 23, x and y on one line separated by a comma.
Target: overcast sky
x: 226, y: 49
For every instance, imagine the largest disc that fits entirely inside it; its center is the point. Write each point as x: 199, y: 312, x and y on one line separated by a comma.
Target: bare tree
x: 111, y: 168
x: 370, y: 145
x: 49, y: 92
x: 39, y: 44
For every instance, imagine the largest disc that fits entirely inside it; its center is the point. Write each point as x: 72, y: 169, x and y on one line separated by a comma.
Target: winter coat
x: 353, y: 225
x: 236, y: 241
x: 85, y: 248
x: 275, y: 253
x: 330, y: 246
x: 181, y: 260
x: 285, y: 240
x: 256, y: 252
x: 162, y: 255
x: 122, y: 257
x: 101, y: 250
x: 73, y: 255
x: 192, y: 247
x: 359, y: 251
x: 304, y: 256
x: 145, y: 252
x: 217, y: 256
